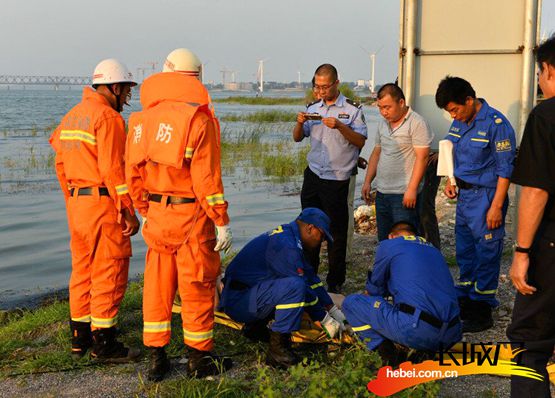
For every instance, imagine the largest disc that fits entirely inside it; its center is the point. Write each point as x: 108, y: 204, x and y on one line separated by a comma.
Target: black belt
x: 172, y: 200
x: 432, y: 320
x: 465, y: 185
x: 236, y: 285
x: 102, y: 191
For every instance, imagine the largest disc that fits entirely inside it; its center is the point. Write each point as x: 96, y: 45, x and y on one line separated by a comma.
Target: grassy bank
x: 33, y: 342
x: 262, y: 100
x: 279, y: 160
x: 273, y: 116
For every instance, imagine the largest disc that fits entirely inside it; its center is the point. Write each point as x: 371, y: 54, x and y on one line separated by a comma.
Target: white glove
x: 224, y: 238
x: 336, y: 314
x: 330, y: 326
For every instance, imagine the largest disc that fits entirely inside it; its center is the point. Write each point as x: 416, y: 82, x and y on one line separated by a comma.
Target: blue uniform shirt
x: 485, y: 149
x: 331, y: 156
x: 276, y: 254
x: 414, y: 272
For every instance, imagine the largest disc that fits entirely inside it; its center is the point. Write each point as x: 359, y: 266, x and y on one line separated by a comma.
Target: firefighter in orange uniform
x: 90, y: 145
x: 174, y: 177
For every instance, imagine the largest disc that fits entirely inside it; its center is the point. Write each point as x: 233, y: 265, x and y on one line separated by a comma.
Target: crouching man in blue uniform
x: 424, y: 314
x: 270, y: 278
x: 483, y: 153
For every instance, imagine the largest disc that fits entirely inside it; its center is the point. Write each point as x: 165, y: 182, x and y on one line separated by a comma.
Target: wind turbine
x: 260, y: 75
x: 372, y: 81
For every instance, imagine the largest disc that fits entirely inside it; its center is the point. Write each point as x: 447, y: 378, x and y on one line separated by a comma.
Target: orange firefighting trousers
x: 100, y: 260
x: 181, y: 240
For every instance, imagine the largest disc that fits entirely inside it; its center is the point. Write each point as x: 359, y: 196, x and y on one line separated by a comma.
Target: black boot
x: 204, y: 363
x: 159, y: 364
x: 390, y: 355
x: 464, y: 304
x: 480, y: 317
x: 81, y: 338
x: 257, y: 331
x: 279, y: 353
x: 107, y: 349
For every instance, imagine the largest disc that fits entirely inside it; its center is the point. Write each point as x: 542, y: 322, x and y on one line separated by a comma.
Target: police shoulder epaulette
x: 312, y: 103
x: 497, y: 120
x: 353, y: 103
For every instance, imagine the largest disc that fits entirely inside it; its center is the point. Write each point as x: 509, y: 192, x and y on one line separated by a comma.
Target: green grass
x: 280, y: 160
x: 451, y: 260
x: 271, y: 116
x: 262, y: 100
x: 38, y: 341
x: 284, y: 164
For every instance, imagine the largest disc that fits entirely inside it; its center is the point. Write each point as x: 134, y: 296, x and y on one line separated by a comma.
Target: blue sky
x: 70, y: 36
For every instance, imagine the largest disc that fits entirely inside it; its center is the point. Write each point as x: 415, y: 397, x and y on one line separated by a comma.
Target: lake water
x: 34, y: 239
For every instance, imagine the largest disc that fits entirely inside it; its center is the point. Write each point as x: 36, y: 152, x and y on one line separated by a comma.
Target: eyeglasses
x: 323, y: 88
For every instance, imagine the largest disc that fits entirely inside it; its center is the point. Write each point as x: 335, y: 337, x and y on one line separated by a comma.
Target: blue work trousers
x: 390, y: 210
x: 478, y: 249
x: 375, y: 320
x: 284, y: 298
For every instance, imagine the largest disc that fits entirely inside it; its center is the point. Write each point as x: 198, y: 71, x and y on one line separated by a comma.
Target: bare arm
x: 494, y: 216
x: 371, y: 172
x: 420, y: 164
x: 298, y: 133
x: 530, y: 212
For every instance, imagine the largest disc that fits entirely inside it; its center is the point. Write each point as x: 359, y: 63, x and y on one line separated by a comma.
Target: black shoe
x: 159, y: 364
x: 108, y: 350
x: 390, y: 355
x: 480, y: 318
x: 204, y: 363
x: 336, y: 289
x: 81, y: 339
x: 257, y: 331
x: 464, y: 304
x: 279, y: 353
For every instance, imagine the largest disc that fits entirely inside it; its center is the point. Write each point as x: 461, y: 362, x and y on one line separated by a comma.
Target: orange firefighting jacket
x: 90, y: 148
x: 173, y: 145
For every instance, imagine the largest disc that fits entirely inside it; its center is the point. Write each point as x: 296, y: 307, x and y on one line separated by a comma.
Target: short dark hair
x: 453, y: 89
x: 393, y: 90
x: 326, y: 70
x: 401, y: 226
x: 546, y: 52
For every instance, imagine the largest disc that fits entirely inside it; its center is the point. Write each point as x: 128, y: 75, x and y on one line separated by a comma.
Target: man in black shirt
x: 533, y: 267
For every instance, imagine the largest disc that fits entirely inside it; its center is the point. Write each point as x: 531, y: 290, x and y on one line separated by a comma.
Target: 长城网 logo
x: 461, y: 359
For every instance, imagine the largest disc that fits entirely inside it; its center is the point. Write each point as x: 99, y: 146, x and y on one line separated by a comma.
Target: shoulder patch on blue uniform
x: 353, y: 103
x: 312, y: 103
x: 278, y: 230
x: 503, y: 145
x: 498, y: 120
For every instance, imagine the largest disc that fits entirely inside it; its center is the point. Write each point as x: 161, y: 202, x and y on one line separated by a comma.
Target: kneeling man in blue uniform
x: 424, y: 314
x: 271, y: 278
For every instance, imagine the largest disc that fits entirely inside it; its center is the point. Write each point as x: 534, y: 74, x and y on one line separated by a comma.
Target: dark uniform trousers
x: 533, y: 320
x: 331, y: 197
x: 428, y: 220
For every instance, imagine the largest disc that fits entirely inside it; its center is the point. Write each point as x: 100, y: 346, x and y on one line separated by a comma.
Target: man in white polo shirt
x: 398, y: 161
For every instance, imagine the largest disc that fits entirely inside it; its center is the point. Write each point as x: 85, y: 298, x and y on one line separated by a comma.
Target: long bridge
x: 55, y: 81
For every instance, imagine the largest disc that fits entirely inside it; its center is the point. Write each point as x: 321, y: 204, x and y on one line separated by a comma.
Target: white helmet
x: 183, y: 61
x: 110, y: 71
